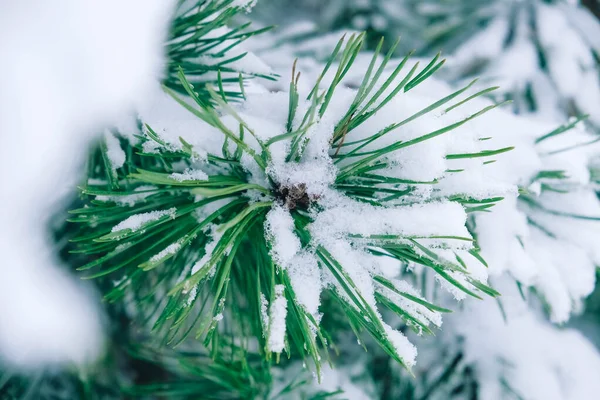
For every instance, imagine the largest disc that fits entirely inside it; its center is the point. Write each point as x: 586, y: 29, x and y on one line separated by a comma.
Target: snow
x: 218, y: 317
x: 137, y: 221
x: 353, y: 262
x: 247, y: 5
x: 279, y: 228
x: 214, y: 237
x: 251, y: 64
x: 306, y: 280
x: 189, y: 175
x: 542, y: 361
x: 115, y: 153
x: 571, y: 63
x: 277, y: 314
x: 417, y: 220
x: 129, y: 199
x: 192, y: 294
x: 416, y: 310
x: 316, y: 176
x: 171, y: 121
x: 167, y: 251
x: 405, y: 349
x: 332, y: 379
x: 69, y: 77
x: 564, y: 36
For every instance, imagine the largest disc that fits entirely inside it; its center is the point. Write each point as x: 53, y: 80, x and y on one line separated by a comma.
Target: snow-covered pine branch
x: 297, y: 164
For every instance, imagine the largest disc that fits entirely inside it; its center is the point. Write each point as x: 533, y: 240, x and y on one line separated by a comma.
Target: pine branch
x: 204, y: 42
x: 154, y: 235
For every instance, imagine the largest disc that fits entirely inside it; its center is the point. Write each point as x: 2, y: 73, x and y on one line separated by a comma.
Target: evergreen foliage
x: 544, y: 53
x: 196, y: 249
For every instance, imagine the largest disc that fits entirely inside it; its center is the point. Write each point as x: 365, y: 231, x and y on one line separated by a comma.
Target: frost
x: 264, y: 314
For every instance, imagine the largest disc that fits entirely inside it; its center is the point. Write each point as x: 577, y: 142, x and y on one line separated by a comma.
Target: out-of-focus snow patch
x: 526, y: 353
x: 346, y: 381
x: 69, y: 67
